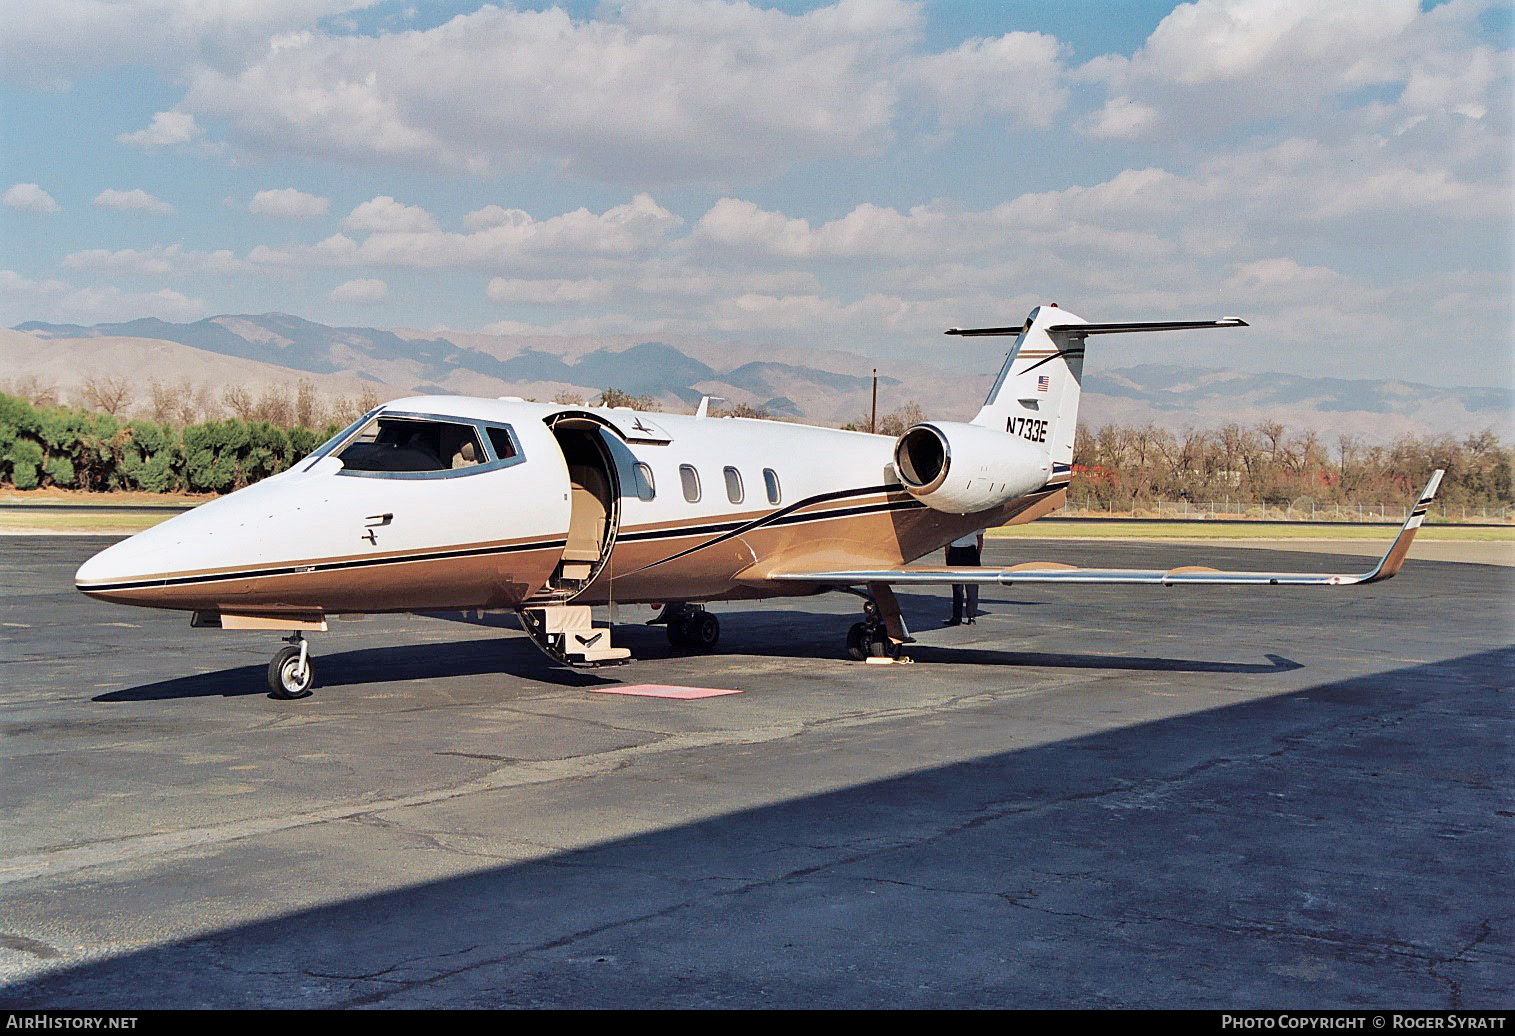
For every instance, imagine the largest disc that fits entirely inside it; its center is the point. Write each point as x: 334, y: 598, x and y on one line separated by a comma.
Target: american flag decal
x: 1041, y: 383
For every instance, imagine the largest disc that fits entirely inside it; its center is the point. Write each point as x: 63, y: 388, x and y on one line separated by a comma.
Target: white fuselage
x: 321, y: 538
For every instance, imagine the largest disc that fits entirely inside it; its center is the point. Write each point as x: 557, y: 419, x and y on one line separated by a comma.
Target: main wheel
x: 703, y: 631
x: 865, y: 640
x: 284, y: 678
x: 857, y: 641
x: 678, y: 631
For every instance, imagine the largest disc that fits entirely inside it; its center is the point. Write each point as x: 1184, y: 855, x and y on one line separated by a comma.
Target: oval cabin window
x: 733, y: 485
x: 646, y: 488
x: 771, y: 481
x: 691, y: 480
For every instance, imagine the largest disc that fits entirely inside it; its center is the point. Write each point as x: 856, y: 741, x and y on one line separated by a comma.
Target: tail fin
x: 1036, y: 393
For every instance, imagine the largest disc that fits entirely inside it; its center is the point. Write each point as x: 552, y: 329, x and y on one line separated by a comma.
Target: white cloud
x: 650, y: 91
x: 384, y: 215
x: 365, y: 291
x: 403, y: 235
x: 166, y: 129
x: 1080, y: 216
x: 1019, y: 74
x: 28, y: 197
x: 157, y: 261
x: 287, y: 203
x: 650, y: 284
x: 14, y: 285
x: 22, y: 298
x: 135, y: 199
x: 52, y: 44
x: 495, y: 216
x: 1235, y: 40
x: 150, y: 262
x: 556, y: 291
x: 1212, y: 66
x: 1121, y: 118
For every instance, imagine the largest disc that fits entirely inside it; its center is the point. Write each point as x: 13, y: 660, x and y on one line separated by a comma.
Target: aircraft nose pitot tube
x: 963, y: 468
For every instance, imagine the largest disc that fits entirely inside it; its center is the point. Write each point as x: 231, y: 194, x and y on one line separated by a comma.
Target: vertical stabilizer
x: 1036, y: 394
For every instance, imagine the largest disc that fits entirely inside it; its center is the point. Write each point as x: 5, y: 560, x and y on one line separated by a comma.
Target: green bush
x: 25, y: 461
x: 59, y: 446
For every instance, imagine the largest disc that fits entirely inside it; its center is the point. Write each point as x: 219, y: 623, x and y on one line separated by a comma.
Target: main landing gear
x: 869, y: 639
x: 689, y: 626
x: 291, y: 673
x: 882, y: 633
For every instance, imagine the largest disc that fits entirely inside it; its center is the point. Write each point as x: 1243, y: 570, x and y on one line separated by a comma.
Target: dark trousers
x: 965, y: 557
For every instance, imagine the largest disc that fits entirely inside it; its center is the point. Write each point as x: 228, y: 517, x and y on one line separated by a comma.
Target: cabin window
x: 691, y: 480
x: 771, y: 481
x: 733, y: 485
x: 646, y: 488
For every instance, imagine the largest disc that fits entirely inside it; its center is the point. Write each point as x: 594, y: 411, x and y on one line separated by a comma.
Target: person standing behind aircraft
x: 967, y: 550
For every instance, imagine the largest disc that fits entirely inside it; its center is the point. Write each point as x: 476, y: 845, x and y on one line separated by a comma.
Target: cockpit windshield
x: 410, y: 444
x: 417, y: 444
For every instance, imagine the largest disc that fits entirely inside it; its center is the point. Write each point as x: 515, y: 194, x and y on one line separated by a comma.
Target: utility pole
x: 873, y: 420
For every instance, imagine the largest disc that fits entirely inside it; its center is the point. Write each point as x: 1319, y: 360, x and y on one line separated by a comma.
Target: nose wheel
x: 291, y: 673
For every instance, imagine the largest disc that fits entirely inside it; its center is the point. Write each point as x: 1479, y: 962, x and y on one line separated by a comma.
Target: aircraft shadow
x: 1134, y: 663
x: 760, y: 633
x: 377, y: 666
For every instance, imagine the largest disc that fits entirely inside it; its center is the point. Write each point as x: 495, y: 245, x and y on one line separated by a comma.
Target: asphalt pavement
x: 1099, y: 796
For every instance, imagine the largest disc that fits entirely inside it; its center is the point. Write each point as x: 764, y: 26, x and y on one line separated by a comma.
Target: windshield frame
x: 494, y: 462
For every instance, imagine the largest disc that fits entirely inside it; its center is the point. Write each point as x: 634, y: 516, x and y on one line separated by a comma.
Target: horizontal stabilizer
x: 1185, y: 575
x: 1104, y: 329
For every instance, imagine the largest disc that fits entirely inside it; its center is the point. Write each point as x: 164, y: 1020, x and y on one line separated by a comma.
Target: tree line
x: 72, y: 448
x: 183, y: 402
x: 1122, y: 467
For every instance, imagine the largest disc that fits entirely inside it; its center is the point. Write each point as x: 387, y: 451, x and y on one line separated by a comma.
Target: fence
x: 1303, y: 510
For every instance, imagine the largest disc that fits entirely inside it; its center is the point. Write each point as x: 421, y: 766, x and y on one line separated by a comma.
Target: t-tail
x: 1021, y: 442
x: 1036, y: 394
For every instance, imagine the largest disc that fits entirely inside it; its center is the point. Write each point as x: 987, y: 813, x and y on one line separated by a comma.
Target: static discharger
x: 658, y: 690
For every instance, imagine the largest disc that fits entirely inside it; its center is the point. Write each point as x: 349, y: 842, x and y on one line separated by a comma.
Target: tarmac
x: 1092, y: 797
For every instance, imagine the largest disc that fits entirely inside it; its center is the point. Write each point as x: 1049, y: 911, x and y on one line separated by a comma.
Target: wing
x: 1051, y: 572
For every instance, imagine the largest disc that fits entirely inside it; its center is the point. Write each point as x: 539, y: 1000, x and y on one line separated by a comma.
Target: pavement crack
x: 378, y: 976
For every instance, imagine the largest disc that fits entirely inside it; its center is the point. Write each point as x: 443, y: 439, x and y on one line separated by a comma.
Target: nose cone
x: 108, y: 567
x: 158, y: 566
x: 123, y: 571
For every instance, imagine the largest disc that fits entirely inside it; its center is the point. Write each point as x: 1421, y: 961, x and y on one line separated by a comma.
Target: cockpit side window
x: 502, y: 441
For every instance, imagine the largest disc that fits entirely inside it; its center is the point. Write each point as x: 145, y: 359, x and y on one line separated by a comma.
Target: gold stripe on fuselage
x: 674, y: 560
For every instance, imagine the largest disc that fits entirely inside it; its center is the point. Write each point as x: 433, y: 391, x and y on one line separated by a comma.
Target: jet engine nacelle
x: 964, y: 468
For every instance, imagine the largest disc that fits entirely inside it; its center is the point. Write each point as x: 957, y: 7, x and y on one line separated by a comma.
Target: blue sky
x: 855, y: 175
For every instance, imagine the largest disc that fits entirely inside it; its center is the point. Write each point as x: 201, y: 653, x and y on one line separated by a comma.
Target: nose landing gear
x: 291, y: 673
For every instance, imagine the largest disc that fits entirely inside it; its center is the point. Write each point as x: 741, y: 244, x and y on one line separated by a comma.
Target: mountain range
x: 822, y: 387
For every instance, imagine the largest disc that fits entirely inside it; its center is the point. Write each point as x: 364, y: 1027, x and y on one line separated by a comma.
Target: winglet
x: 1394, y: 558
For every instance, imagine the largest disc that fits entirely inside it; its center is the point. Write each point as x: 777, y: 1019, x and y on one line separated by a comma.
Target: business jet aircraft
x: 454, y: 503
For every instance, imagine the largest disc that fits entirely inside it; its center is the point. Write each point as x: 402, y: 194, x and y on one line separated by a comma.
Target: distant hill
x: 827, y: 388
x: 1374, y: 409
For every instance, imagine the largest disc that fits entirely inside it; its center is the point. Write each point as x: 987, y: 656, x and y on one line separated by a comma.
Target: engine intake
x: 964, y: 468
